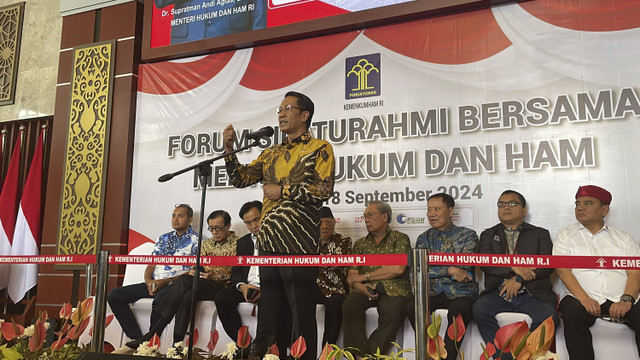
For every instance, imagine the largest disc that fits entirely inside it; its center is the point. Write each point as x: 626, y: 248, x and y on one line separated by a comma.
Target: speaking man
x: 297, y: 176
x: 593, y: 293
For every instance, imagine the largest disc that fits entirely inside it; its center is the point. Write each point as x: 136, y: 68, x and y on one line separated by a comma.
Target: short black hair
x: 250, y: 205
x: 522, y: 199
x: 220, y: 213
x: 446, y: 198
x: 304, y: 103
x: 187, y: 207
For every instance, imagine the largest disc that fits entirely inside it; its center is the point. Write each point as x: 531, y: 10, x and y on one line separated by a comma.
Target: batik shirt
x: 394, y: 242
x: 456, y: 240
x: 304, y: 167
x: 226, y: 247
x: 333, y: 279
x: 171, y: 244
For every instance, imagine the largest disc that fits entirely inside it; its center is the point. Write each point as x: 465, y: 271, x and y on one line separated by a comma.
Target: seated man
x: 157, y: 279
x: 594, y: 293
x: 243, y: 278
x: 214, y: 278
x: 386, y: 287
x: 450, y: 287
x: 332, y: 280
x: 517, y: 289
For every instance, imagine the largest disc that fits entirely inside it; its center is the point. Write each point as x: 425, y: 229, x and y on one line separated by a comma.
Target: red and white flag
x: 9, y: 211
x: 27, y: 235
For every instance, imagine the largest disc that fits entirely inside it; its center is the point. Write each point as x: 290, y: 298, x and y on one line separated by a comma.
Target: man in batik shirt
x: 450, y: 287
x: 386, y: 287
x: 297, y: 176
x: 332, y: 280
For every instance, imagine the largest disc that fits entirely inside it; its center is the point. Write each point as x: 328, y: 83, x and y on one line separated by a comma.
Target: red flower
x: 213, y: 340
x: 155, y: 340
x: 39, y: 334
x: 325, y: 352
x: 487, y: 352
x: 273, y: 349
x: 77, y: 330
x: 509, y: 336
x: 195, y: 338
x: 58, y: 344
x: 11, y: 330
x: 244, y: 338
x: 107, y: 321
x: 435, y: 348
x: 456, y: 330
x: 298, y: 348
x: 65, y: 311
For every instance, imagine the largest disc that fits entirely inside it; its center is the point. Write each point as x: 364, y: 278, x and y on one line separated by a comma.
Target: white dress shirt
x: 600, y: 285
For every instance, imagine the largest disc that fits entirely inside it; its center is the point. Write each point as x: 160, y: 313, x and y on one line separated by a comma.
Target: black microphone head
x: 259, y: 134
x: 165, y: 177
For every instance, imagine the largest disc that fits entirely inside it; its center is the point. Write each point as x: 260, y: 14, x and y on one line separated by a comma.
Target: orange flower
x: 65, y: 311
x: 195, y: 338
x: 273, y: 349
x: 435, y: 348
x: 83, y: 311
x: 325, y: 352
x: 298, y: 348
x: 58, y: 344
x: 155, y: 340
x: 539, y: 342
x: 487, y: 352
x: 11, y: 330
x: 77, y: 330
x: 509, y: 336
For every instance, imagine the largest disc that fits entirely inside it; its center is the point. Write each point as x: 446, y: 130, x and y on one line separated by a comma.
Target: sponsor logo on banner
x: 601, y: 262
x: 362, y: 76
x: 404, y: 219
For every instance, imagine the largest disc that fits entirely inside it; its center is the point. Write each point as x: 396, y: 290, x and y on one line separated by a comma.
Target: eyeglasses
x: 216, y: 228
x: 370, y: 215
x: 510, y: 204
x: 287, y: 107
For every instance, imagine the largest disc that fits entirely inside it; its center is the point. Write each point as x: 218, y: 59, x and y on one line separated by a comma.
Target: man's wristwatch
x: 627, y: 298
x: 519, y: 279
x: 366, y: 275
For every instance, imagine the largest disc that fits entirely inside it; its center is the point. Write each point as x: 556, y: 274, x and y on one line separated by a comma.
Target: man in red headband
x: 593, y: 293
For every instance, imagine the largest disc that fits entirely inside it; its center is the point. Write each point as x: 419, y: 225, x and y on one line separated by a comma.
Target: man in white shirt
x: 594, y: 293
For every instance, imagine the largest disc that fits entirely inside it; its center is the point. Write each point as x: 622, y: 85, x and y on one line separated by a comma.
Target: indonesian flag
x: 8, y: 212
x: 26, y: 238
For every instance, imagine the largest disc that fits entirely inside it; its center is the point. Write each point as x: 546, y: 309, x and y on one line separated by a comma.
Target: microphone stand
x: 204, y: 169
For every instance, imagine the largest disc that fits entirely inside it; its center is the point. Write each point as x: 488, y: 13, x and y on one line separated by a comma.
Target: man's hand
x: 619, y: 310
x: 592, y: 306
x: 229, y: 138
x: 354, y: 279
x: 527, y: 273
x: 363, y: 289
x: 152, y: 287
x: 244, y: 288
x: 510, y: 288
x: 459, y: 275
x: 272, y: 191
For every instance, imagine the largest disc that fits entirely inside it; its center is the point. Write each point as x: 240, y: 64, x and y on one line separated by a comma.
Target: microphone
x: 259, y: 134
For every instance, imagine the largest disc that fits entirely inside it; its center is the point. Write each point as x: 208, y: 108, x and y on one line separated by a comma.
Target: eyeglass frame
x: 509, y: 204
x: 213, y: 229
x: 288, y: 107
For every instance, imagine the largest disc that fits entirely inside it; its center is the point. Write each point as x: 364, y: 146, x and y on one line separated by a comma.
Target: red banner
x: 49, y: 259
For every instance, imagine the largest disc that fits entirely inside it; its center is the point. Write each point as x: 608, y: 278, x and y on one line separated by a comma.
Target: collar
x: 304, y: 138
x: 605, y: 227
x: 372, y: 238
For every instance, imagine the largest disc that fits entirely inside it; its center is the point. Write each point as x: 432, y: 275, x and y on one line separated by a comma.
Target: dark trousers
x: 227, y: 301
x: 178, y: 303
x: 577, y: 322
x: 120, y: 299
x: 332, y: 316
x: 287, y: 308
x: 391, y: 314
x: 489, y: 305
x: 459, y: 306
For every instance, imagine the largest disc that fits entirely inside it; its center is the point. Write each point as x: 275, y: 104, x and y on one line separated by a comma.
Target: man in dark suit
x: 245, y: 280
x: 517, y: 289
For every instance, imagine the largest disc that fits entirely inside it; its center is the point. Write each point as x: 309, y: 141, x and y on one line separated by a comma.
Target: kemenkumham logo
x: 362, y: 76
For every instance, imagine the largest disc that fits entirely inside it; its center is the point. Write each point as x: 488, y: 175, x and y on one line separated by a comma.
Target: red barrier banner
x: 537, y: 261
x: 304, y: 260
x: 49, y: 259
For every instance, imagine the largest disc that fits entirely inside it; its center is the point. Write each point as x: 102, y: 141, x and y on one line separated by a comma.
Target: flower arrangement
x: 29, y: 343
x: 513, y: 338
